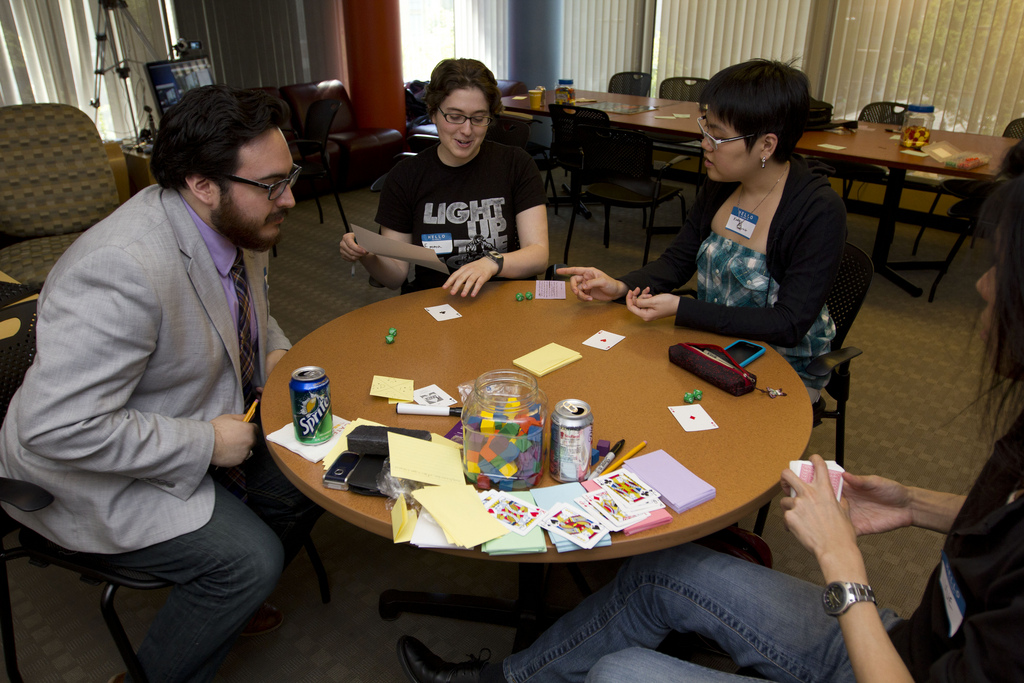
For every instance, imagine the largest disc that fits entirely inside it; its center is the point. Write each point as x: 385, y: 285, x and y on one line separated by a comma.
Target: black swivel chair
x: 565, y: 144
x: 617, y: 169
x: 509, y: 131
x: 630, y: 83
x: 849, y: 172
x: 16, y: 354
x: 844, y: 302
x: 683, y: 89
x: 312, y: 151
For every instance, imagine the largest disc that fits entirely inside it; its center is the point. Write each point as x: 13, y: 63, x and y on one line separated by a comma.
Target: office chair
x: 630, y: 83
x: 509, y: 131
x: 617, y: 168
x: 16, y: 354
x: 683, y: 89
x: 565, y: 144
x: 57, y: 183
x: 847, y: 295
x: 312, y: 152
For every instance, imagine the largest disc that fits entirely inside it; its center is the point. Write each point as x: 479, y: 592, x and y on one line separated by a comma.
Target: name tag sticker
x: 438, y: 242
x: 741, y: 222
x: 951, y: 596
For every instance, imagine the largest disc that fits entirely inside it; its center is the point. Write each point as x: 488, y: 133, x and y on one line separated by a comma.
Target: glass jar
x: 917, y: 125
x: 503, y: 423
x: 565, y: 94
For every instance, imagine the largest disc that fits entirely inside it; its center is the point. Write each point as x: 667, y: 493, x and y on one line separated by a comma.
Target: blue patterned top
x: 730, y: 274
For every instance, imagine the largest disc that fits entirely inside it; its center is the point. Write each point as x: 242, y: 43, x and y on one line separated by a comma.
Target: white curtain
x: 48, y: 54
x: 602, y: 38
x: 964, y: 57
x: 481, y: 32
x: 700, y: 37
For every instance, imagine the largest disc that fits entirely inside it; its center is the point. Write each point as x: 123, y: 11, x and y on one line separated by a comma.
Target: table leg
x: 887, y: 230
x: 527, y: 613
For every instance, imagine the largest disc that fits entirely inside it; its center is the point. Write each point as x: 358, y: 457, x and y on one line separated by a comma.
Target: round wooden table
x: 629, y: 388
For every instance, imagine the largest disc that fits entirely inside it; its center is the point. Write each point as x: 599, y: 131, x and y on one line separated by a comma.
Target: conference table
x: 869, y: 143
x: 629, y: 388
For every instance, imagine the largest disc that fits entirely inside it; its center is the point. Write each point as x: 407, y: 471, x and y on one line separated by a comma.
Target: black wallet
x: 371, y: 443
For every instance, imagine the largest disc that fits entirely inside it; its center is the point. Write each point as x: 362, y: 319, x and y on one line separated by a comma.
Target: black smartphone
x: 336, y: 477
x: 744, y: 352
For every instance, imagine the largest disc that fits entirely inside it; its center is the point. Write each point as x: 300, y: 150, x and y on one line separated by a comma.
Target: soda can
x: 311, y: 404
x: 572, y: 431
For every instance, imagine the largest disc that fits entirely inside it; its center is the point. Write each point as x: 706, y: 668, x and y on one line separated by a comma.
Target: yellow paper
x: 519, y: 97
x: 438, y: 439
x: 547, y: 359
x: 832, y: 147
x: 424, y: 461
x: 393, y: 401
x: 681, y: 116
x: 403, y: 521
x: 913, y: 153
x: 391, y: 387
x: 665, y: 117
x: 342, y: 443
x: 459, y: 512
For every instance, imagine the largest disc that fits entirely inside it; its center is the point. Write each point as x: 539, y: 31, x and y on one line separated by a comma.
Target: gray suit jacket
x: 137, y: 352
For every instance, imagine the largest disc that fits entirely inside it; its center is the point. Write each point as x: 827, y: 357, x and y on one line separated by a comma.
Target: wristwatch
x: 497, y: 257
x: 839, y: 595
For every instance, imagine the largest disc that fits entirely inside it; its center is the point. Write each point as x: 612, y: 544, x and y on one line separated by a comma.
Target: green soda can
x: 311, y: 404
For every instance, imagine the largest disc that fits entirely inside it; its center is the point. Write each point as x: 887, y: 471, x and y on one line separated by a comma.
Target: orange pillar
x: 373, y: 39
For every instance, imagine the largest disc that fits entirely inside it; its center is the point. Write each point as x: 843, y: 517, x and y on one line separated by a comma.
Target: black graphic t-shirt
x: 460, y: 211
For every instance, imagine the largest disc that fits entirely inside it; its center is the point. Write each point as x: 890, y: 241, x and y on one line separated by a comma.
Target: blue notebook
x: 550, y: 496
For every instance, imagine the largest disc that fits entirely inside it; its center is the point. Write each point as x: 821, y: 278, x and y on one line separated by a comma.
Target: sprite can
x: 311, y: 404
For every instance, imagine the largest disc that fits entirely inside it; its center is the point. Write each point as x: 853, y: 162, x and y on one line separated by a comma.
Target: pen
x: 627, y: 456
x: 252, y: 411
x: 603, y: 465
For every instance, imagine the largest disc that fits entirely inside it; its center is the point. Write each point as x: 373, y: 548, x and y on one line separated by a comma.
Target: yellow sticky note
x: 424, y: 461
x: 391, y: 387
x: 393, y: 401
x: 403, y: 521
x: 438, y: 439
x: 342, y: 443
x: 457, y: 509
x: 913, y: 153
x: 681, y: 116
x: 665, y: 117
x: 832, y: 147
x: 547, y: 359
x: 519, y: 97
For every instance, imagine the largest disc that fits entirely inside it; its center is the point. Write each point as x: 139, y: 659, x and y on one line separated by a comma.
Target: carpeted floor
x: 911, y: 418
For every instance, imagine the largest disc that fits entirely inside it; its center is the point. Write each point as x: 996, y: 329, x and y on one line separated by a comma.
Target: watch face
x: 834, y: 597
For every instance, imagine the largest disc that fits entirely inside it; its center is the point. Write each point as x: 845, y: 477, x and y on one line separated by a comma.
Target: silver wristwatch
x: 839, y: 595
x: 497, y: 257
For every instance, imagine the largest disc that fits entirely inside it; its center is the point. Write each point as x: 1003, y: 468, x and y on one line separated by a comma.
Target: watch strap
x: 497, y: 258
x: 854, y: 593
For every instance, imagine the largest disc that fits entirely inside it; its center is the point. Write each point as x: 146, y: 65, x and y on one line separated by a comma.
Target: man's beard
x: 240, y: 230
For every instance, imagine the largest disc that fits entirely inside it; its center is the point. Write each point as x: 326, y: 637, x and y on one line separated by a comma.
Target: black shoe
x: 423, y: 666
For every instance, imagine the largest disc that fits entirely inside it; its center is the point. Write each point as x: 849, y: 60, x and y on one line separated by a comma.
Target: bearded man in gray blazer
x: 136, y: 394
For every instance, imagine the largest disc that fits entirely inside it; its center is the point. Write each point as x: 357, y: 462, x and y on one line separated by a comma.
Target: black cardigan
x: 805, y: 247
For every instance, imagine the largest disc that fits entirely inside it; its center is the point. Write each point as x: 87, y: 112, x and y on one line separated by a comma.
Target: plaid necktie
x: 233, y: 478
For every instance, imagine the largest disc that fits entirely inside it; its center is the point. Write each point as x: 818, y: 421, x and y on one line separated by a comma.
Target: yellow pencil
x: 624, y: 458
x: 252, y: 410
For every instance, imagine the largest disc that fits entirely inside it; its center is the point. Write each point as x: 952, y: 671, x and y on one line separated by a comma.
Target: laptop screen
x: 172, y: 79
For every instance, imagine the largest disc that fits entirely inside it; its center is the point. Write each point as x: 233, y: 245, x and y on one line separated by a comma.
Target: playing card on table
x: 444, y: 312
x: 630, y: 492
x: 693, y: 418
x: 570, y: 522
x: 514, y: 514
x: 611, y: 513
x: 604, y: 340
x: 805, y: 471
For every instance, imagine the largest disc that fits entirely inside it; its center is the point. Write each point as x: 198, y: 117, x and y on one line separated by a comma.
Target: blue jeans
x: 762, y: 618
x: 222, y: 573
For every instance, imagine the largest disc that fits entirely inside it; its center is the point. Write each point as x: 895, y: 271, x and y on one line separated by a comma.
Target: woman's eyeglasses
x: 715, y: 142
x: 459, y: 119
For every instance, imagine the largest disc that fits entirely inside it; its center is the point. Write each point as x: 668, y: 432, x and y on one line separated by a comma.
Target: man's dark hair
x: 202, y: 133
x: 456, y: 74
x: 759, y: 97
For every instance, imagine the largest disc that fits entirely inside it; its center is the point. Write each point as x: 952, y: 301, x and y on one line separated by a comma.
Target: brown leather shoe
x: 267, y: 618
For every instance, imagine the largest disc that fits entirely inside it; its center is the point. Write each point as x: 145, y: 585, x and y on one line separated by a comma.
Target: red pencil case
x: 714, y: 365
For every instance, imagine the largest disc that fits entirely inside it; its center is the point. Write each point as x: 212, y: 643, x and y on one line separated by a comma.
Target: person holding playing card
x: 765, y: 235
x: 966, y: 627
x: 479, y: 205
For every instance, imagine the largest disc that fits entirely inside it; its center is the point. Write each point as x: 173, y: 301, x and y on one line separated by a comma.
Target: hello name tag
x: 741, y: 222
x: 438, y: 242
x: 951, y: 596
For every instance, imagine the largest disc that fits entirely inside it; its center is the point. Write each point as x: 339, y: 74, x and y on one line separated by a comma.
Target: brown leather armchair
x: 370, y: 150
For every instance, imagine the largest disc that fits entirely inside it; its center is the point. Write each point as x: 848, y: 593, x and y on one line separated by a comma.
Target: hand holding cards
x: 805, y: 470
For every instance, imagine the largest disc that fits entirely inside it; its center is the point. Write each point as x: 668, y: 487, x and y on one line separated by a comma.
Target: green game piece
x: 392, y: 331
x: 529, y: 296
x: 698, y: 394
x: 688, y: 398
x: 519, y: 296
x: 390, y: 339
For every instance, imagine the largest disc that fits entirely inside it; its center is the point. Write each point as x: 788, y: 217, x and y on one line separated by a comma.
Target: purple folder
x: 680, y: 488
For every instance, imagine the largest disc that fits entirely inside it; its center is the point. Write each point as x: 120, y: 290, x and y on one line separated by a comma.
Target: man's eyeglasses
x: 274, y: 190
x: 715, y: 142
x: 459, y: 119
